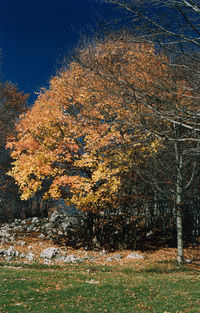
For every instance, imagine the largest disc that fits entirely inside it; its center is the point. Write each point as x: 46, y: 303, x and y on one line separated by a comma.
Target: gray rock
x: 149, y: 233
x: 17, y: 228
x: 61, y: 258
x: 42, y: 236
x: 22, y: 243
x: 3, y: 241
x: 23, y: 222
x: 109, y: 259
x: 55, y: 216
x: 5, y: 227
x: 22, y: 256
x: 30, y: 256
x: 11, y: 238
x: 35, y: 220
x: 92, y: 281
x: 103, y: 252
x: 30, y: 228
x: 72, y: 259
x: 49, y: 253
x: 47, y: 261
x: 47, y: 226
x: 17, y: 221
x: 74, y: 221
x: 135, y: 255
x: 9, y: 253
x: 118, y: 256
x: 8, y: 258
x: 4, y: 233
x: 65, y: 225
x: 2, y: 253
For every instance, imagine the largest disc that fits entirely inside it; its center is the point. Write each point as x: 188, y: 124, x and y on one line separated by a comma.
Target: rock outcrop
x: 52, y: 238
x: 59, y: 226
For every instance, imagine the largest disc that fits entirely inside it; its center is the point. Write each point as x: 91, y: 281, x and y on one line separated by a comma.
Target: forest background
x: 116, y: 133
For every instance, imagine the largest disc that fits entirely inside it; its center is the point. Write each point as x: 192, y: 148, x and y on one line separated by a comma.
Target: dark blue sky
x: 36, y: 34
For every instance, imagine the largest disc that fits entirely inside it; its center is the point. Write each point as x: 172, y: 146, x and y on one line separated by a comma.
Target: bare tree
x: 173, y: 26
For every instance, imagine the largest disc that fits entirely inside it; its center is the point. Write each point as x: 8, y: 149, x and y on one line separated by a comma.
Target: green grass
x: 155, y: 288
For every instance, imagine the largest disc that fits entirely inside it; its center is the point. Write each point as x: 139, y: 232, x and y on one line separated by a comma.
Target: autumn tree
x: 105, y: 119
x: 77, y: 111
x: 79, y: 146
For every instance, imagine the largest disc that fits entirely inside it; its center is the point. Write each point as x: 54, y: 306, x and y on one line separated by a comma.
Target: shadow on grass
x: 162, y: 267
x: 34, y: 265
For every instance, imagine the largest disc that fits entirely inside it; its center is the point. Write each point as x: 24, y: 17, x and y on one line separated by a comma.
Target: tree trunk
x: 179, y: 226
x: 180, y: 254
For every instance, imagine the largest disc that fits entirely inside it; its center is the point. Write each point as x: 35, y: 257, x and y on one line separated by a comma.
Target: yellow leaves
x: 156, y: 144
x: 82, y: 133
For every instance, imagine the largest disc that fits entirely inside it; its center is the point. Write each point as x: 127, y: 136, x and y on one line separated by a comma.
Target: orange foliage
x: 83, y: 132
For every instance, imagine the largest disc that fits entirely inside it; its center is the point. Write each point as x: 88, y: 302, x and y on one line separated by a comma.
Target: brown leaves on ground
x: 36, y: 246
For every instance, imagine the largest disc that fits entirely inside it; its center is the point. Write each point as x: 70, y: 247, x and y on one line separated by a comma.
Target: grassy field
x: 159, y: 287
